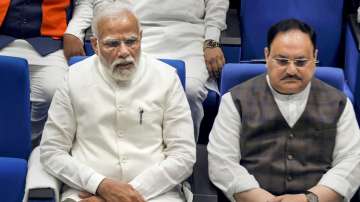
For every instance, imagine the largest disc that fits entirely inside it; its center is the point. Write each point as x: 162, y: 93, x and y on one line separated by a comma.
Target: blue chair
x: 335, y: 39
x: 15, y: 135
x: 237, y: 73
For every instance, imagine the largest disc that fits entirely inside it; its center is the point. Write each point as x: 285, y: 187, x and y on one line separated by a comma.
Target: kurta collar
x: 295, y: 97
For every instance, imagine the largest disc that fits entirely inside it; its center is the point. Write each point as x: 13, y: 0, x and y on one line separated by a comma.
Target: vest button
x: 290, y: 157
x: 289, y: 178
x: 291, y: 136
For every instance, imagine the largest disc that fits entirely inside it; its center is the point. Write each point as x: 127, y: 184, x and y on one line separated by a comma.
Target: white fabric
x: 46, y: 73
x: 37, y: 177
x: 98, y: 121
x: 224, y: 147
x: 172, y: 29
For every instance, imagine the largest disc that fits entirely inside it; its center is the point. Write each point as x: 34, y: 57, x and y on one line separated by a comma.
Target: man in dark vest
x: 33, y: 30
x: 285, y: 136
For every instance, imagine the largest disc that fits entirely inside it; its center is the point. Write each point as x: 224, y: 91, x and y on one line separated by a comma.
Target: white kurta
x: 173, y: 29
x: 138, y: 132
x: 224, y: 147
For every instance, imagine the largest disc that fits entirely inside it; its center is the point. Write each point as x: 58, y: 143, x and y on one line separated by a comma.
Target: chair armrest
x: 40, y: 185
x: 202, y: 188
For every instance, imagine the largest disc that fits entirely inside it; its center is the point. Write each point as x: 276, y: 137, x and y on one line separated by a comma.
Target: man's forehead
x: 292, y: 41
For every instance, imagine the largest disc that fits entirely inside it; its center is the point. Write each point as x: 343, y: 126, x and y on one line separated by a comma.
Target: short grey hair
x: 110, y: 9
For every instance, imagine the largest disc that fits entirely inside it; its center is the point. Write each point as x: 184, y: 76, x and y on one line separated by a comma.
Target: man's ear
x: 316, y: 54
x: 94, y: 44
x: 266, y: 54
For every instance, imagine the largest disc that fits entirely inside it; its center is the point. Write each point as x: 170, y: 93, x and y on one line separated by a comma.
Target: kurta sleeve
x: 81, y: 19
x: 178, y: 137
x: 215, y: 18
x: 224, y: 156
x: 58, y: 135
x: 344, y: 175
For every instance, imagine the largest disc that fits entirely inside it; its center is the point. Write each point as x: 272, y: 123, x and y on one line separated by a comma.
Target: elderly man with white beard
x: 120, y: 127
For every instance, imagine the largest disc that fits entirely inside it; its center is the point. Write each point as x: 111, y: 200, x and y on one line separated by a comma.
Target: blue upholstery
x: 15, y: 143
x: 12, y: 178
x: 257, y: 17
x: 335, y: 39
x: 234, y: 74
x: 15, y: 108
x: 177, y: 64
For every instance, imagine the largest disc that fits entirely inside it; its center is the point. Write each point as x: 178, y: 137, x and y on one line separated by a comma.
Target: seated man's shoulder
x: 162, y: 69
x: 257, y: 82
x: 325, y: 88
x: 82, y: 66
x: 81, y: 73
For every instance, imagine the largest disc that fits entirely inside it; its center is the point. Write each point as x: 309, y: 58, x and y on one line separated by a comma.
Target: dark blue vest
x: 23, y: 21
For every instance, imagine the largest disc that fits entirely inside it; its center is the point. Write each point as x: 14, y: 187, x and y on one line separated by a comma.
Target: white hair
x: 109, y: 9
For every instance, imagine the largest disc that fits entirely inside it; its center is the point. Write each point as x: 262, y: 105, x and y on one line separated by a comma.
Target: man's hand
x: 72, y: 46
x: 289, y: 198
x: 88, y: 197
x: 114, y: 191
x: 214, y: 59
x: 254, y: 195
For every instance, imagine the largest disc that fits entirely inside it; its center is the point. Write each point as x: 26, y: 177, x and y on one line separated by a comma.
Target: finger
x: 214, y: 68
x: 139, y: 197
x: 82, y: 51
x: 85, y: 194
x: 208, y: 66
x: 276, y: 199
x: 219, y: 66
x: 222, y: 59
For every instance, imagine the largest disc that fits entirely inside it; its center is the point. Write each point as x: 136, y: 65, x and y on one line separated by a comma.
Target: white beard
x: 119, y: 72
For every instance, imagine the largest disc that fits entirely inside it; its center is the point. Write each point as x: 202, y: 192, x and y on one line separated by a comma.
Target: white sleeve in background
x: 215, y: 18
x: 81, y: 18
x: 224, y: 151
x: 344, y: 175
x: 56, y: 143
x: 180, y: 156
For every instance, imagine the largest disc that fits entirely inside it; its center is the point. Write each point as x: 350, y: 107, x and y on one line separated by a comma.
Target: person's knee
x: 195, y: 90
x: 46, y: 87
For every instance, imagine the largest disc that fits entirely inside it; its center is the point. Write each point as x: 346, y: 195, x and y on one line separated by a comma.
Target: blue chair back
x: 179, y: 65
x: 234, y: 74
x: 15, y: 130
x: 325, y: 16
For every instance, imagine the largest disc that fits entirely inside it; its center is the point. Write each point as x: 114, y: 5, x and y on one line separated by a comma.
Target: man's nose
x: 291, y: 68
x: 123, y: 51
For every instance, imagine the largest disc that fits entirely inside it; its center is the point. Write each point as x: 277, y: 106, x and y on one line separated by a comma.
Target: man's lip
x: 290, y: 79
x: 124, y: 64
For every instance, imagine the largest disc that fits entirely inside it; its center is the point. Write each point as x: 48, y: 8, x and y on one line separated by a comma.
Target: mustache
x: 291, y: 77
x: 124, y: 61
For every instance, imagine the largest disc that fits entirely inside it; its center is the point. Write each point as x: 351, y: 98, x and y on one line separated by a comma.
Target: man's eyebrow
x: 280, y: 56
x: 133, y: 37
